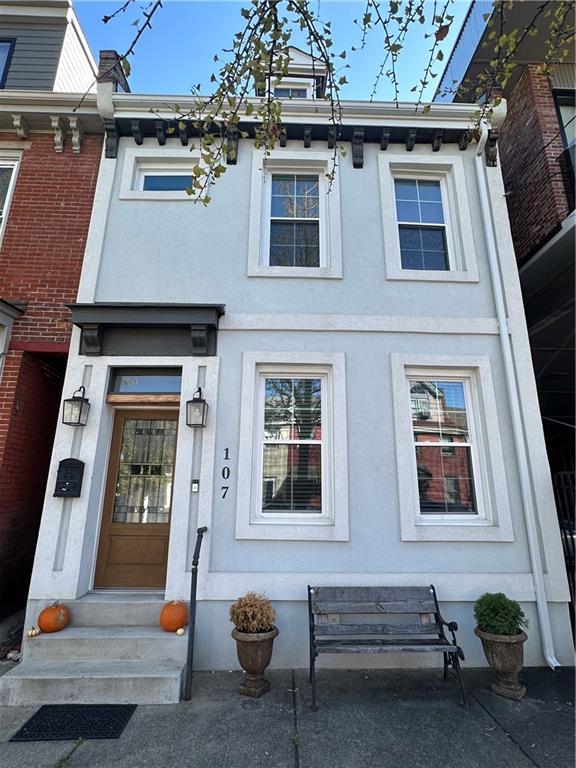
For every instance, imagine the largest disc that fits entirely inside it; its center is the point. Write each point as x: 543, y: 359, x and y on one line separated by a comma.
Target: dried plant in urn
x: 253, y: 617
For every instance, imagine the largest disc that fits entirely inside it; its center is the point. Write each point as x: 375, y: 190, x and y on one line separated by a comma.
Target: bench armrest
x: 452, y: 626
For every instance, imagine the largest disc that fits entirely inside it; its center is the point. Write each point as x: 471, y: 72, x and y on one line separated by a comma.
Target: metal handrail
x: 192, y: 620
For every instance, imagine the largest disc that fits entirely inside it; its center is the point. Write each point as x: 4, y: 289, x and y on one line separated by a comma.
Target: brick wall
x: 40, y: 264
x: 536, y: 198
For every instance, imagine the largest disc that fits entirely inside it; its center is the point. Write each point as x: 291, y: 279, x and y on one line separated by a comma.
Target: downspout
x: 517, y: 428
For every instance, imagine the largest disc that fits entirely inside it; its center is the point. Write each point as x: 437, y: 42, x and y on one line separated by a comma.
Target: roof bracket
x: 307, y: 136
x: 385, y: 138
x: 22, y: 128
x: 59, y: 129
x: 160, y: 128
x: 136, y: 131
x: 283, y: 137
x: 410, y: 139
x: 112, y: 138
x: 91, y: 339
x: 437, y: 140
x: 183, y: 133
x: 464, y: 140
x: 358, y: 148
x: 491, y: 149
x: 77, y: 133
x: 232, y: 145
x: 332, y: 136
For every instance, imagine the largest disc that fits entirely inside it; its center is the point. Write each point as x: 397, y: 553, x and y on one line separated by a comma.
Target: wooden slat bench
x: 348, y: 620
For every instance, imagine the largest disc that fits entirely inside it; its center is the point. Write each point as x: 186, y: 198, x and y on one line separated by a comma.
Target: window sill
x: 313, y: 531
x: 435, y: 276
x: 300, y: 272
x: 465, y: 532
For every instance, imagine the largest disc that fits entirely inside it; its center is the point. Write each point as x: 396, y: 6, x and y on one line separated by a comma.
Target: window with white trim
x: 426, y: 219
x: 6, y: 50
x: 7, y: 180
x: 292, y: 471
x: 291, y: 93
x: 152, y: 173
x: 444, y: 446
x: 421, y: 225
x: 451, y: 477
x: 294, y: 221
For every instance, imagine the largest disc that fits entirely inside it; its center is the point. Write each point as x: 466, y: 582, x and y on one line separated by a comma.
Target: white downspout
x: 522, y: 456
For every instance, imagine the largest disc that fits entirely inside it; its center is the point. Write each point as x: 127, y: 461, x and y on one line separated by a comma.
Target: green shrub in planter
x: 497, y: 614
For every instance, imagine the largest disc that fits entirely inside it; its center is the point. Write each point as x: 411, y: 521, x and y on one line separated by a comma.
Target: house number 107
x: 225, y: 473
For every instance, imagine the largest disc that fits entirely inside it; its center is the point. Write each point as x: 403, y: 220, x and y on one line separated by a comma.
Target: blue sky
x: 178, y: 52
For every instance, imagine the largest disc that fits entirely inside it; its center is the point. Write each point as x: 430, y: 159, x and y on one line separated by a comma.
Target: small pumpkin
x: 54, y: 618
x: 174, y: 616
x: 33, y: 632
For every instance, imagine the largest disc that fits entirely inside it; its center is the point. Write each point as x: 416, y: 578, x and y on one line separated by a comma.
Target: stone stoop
x: 113, y: 652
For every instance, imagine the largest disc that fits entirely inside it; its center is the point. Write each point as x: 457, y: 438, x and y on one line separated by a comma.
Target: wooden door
x: 133, y: 548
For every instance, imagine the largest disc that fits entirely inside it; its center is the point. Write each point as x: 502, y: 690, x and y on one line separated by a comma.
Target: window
x: 294, y: 222
x: 290, y: 93
x: 292, y: 473
x: 426, y: 219
x: 445, y: 476
x: 451, y: 478
x: 7, y: 179
x: 565, y: 105
x: 6, y: 50
x: 165, y: 182
x: 128, y: 381
x: 152, y: 173
x: 421, y: 224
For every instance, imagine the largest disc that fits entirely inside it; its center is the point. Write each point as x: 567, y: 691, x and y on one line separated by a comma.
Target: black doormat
x: 64, y: 722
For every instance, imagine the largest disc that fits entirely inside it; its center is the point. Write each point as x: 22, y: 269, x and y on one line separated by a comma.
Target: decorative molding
x: 307, y: 136
x: 22, y: 127
x: 91, y: 339
x: 112, y: 139
x: 384, y: 138
x: 137, y: 131
x: 160, y: 130
x: 232, y: 145
x: 464, y: 140
x: 57, y: 125
x: 77, y: 133
x: 411, y: 139
x: 437, y: 140
x: 491, y: 149
x: 358, y: 148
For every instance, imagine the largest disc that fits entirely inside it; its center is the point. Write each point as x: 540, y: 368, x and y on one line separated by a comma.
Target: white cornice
x: 29, y: 102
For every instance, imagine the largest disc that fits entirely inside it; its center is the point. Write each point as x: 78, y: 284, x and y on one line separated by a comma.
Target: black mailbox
x: 69, y: 478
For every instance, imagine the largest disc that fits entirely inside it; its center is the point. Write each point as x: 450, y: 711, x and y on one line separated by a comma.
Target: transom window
x: 443, y: 446
x: 295, y: 221
x: 421, y: 224
x: 292, y: 445
x: 165, y: 182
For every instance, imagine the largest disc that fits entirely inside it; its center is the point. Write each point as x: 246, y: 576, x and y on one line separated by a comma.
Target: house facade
x: 372, y: 413
x: 537, y: 145
x: 49, y: 159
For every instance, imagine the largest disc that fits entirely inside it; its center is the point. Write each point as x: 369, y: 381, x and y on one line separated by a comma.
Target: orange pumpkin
x: 54, y: 618
x: 173, y: 616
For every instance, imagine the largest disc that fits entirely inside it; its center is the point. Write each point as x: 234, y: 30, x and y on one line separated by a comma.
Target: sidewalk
x: 367, y: 719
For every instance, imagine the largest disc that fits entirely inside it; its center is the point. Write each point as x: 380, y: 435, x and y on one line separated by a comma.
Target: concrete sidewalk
x: 367, y: 719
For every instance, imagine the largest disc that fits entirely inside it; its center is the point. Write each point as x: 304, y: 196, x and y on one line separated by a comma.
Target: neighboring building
x: 537, y: 145
x: 365, y: 422
x: 49, y: 157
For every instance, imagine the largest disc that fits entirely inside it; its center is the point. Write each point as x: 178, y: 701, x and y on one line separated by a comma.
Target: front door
x: 133, y: 548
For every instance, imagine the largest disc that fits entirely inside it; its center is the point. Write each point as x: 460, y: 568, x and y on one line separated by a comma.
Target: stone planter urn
x: 505, y: 654
x: 254, y: 654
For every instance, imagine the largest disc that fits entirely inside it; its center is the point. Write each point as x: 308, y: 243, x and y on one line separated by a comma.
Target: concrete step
x: 115, y: 643
x: 101, y: 609
x: 92, y: 682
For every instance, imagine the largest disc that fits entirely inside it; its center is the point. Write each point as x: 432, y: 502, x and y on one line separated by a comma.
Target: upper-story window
x: 291, y: 93
x: 6, y: 49
x: 421, y: 224
x: 165, y: 181
x: 7, y: 178
x: 295, y: 221
x: 426, y: 218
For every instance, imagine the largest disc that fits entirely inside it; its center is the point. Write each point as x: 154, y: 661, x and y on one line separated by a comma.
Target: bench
x: 349, y: 620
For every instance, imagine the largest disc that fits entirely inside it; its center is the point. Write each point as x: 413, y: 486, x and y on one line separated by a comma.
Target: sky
x: 177, y: 53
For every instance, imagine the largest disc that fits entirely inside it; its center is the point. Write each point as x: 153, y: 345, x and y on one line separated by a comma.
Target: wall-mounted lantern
x: 75, y: 409
x: 196, y: 410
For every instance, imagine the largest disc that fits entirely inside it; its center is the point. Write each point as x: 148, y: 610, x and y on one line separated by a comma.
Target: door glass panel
x: 146, y: 471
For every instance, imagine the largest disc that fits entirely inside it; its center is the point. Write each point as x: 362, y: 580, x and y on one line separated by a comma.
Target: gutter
x: 514, y: 402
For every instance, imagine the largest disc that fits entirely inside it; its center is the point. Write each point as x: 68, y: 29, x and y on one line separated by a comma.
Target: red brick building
x: 49, y: 160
